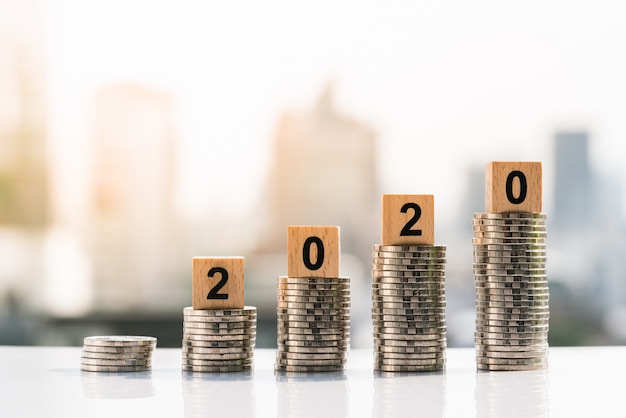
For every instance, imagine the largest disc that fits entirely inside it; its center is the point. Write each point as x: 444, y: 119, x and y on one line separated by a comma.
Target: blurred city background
x: 137, y: 134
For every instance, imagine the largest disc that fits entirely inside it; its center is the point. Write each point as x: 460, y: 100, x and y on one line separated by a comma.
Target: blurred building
x: 23, y: 124
x: 323, y: 173
x: 135, y: 236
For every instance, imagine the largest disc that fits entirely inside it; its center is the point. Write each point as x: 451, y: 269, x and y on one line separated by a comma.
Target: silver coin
x: 410, y: 281
x: 513, y: 348
x: 408, y: 307
x: 313, y: 299
x: 116, y: 356
x: 511, y: 362
x: 497, y: 313
x: 286, y: 341
x: 441, y: 324
x: 499, y: 298
x: 439, y: 257
x: 309, y: 362
x: 315, y: 326
x: 312, y: 350
x: 120, y: 350
x: 409, y: 331
x: 509, y: 367
x: 219, y: 331
x: 313, y: 305
x: 543, y: 303
x: 314, y: 312
x: 410, y: 350
x: 510, y: 291
x: 248, y: 355
x: 301, y: 280
x: 245, y: 311
x: 512, y: 323
x: 407, y: 291
x: 408, y: 362
x: 408, y: 369
x: 338, y: 330
x: 411, y: 301
x: 413, y: 268
x: 218, y: 343
x: 285, y: 355
x: 114, y: 369
x: 313, y: 286
x: 218, y: 351
x: 512, y: 330
x: 436, y: 340
x: 509, y: 266
x: 480, y: 233
x: 196, y: 319
x: 425, y: 274
x: 283, y: 335
x: 510, y: 280
x: 408, y: 318
x: 120, y: 362
x: 513, y: 247
x: 324, y: 292
x: 219, y: 325
x: 544, y: 317
x: 537, y: 337
x: 510, y: 215
x: 510, y: 256
x: 408, y: 248
x: 509, y: 221
x: 386, y: 355
x: 212, y: 363
x: 512, y: 354
x: 507, y: 226
x: 423, y: 262
x: 415, y: 287
x: 313, y: 318
x: 119, y: 340
x: 216, y: 369
x: 406, y: 337
x: 527, y: 286
x: 307, y: 369
x: 218, y: 337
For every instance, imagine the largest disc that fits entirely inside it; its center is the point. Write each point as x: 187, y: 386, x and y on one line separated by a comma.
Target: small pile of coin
x: 219, y: 340
x: 408, y: 308
x: 117, y: 353
x: 512, y: 297
x: 313, y: 324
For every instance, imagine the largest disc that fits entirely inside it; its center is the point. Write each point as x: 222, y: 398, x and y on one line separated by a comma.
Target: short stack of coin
x: 117, y: 353
x: 219, y: 340
x: 408, y: 308
x: 512, y: 297
x: 313, y: 324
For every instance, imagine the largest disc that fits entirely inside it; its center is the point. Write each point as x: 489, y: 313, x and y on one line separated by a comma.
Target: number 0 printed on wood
x: 513, y: 187
x: 217, y: 283
x: 408, y: 219
x: 313, y: 251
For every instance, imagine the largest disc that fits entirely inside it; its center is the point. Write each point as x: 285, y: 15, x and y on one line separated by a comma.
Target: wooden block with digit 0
x: 513, y: 187
x: 408, y: 219
x: 217, y: 283
x: 313, y: 251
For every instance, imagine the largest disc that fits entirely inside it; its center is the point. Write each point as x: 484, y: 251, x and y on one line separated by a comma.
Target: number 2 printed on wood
x: 513, y: 187
x: 313, y: 251
x: 217, y: 282
x: 407, y: 219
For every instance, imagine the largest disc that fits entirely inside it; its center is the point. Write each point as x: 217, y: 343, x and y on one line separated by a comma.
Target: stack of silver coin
x: 512, y: 297
x: 219, y: 340
x: 313, y: 324
x: 117, y: 353
x: 408, y: 308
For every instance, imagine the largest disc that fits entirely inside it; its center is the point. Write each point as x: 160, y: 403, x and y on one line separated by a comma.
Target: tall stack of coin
x: 313, y: 324
x: 408, y: 308
x: 512, y: 297
x: 219, y: 340
x: 117, y: 353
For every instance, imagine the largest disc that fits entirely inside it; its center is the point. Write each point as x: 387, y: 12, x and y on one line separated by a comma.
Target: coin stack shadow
x: 512, y: 297
x: 408, y: 308
x: 117, y: 353
x: 219, y: 340
x: 313, y: 324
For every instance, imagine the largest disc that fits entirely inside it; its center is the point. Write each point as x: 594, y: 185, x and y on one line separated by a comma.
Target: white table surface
x: 47, y: 382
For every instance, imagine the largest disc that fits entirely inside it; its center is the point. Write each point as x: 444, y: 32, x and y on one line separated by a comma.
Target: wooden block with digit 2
x: 217, y: 283
x: 408, y: 219
x: 313, y: 251
x: 513, y: 187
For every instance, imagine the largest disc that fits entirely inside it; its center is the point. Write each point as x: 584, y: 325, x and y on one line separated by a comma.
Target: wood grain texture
x: 297, y: 237
x: 207, y: 273
x: 496, y: 198
x: 399, y: 211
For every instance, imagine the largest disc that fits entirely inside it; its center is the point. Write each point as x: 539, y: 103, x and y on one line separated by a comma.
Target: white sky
x: 448, y: 85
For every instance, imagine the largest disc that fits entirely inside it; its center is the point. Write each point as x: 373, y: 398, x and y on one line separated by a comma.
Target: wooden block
x: 217, y: 283
x: 408, y: 219
x: 513, y: 187
x: 313, y: 251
